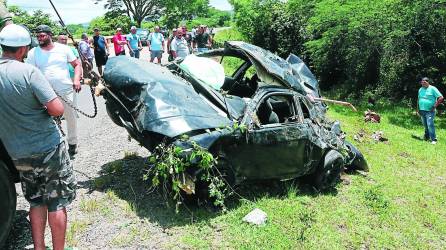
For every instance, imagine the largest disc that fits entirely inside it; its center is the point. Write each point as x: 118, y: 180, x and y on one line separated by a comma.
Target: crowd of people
x: 178, y: 44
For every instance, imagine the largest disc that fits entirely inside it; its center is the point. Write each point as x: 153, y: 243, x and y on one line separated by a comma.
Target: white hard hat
x: 14, y: 35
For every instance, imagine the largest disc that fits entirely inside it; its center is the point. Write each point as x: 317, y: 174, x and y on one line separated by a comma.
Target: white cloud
x: 72, y: 11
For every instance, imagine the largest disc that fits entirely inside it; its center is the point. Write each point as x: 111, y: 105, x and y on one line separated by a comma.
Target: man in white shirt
x: 179, y: 46
x: 52, y: 58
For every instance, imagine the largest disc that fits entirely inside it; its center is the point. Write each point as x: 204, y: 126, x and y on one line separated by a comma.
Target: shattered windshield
x: 205, y: 70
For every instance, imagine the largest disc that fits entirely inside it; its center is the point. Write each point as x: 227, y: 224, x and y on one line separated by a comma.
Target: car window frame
x: 300, y: 100
x: 268, y: 95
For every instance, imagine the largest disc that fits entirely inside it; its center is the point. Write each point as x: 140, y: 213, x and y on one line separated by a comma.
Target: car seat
x: 266, y: 114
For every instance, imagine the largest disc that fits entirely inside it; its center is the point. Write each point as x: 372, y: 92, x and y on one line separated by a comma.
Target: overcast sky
x: 82, y: 11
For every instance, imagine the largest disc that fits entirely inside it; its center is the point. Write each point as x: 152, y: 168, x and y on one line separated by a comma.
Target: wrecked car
x: 285, y: 131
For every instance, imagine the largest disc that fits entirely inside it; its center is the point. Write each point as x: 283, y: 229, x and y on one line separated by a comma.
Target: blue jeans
x: 427, y: 117
x: 135, y: 53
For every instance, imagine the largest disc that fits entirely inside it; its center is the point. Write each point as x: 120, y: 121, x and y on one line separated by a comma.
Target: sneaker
x: 433, y: 142
x: 72, y: 149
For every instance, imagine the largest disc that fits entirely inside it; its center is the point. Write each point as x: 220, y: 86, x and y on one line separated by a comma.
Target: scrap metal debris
x: 256, y: 217
x: 359, y: 136
x: 378, y: 136
x: 371, y: 116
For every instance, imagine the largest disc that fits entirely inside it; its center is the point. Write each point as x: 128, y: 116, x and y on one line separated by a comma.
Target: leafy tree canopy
x: 138, y: 10
x: 377, y: 48
x: 31, y: 21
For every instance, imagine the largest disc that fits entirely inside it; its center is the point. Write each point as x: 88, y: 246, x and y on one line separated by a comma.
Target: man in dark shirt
x: 100, y: 50
x: 202, y: 40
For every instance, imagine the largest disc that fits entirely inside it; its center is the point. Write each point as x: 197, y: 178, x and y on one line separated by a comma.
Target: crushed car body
x: 285, y: 132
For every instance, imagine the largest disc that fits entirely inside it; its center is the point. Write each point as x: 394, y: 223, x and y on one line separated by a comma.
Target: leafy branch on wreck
x: 171, y: 168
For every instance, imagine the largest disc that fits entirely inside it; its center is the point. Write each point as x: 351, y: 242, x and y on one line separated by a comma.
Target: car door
x: 273, y: 151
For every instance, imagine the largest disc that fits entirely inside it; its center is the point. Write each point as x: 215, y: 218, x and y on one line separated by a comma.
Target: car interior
x: 243, y: 82
x: 276, y: 109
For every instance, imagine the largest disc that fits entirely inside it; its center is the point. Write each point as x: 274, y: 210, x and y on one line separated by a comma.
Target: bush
x: 382, y: 46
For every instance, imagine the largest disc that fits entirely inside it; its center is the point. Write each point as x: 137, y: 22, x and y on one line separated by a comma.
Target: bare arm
x: 54, y: 107
x: 128, y: 45
x: 106, y: 45
x: 210, y: 41
x: 77, y: 74
x: 439, y: 101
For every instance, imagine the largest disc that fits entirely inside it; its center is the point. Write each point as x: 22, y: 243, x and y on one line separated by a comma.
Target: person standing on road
x: 101, y: 51
x: 169, y: 42
x: 156, y: 44
x: 119, y: 42
x: 179, y: 46
x: 134, y: 43
x: 202, y: 40
x: 63, y: 39
x: 33, y: 140
x: 428, y: 100
x: 85, y: 49
x: 52, y: 58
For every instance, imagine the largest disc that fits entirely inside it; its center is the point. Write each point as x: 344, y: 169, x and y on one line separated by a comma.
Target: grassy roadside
x: 400, y: 204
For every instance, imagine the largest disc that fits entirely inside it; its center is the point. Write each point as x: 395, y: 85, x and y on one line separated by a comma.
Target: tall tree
x: 138, y: 10
x: 176, y: 11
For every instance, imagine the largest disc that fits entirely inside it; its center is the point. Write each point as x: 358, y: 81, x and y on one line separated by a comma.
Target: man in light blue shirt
x: 156, y: 47
x: 134, y: 42
x: 428, y: 99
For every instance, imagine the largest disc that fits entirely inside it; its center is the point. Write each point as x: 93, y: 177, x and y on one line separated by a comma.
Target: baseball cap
x: 44, y: 29
x: 133, y: 28
x: 14, y: 35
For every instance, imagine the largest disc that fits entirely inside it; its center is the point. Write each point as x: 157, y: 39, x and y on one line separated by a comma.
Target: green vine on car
x: 168, y: 167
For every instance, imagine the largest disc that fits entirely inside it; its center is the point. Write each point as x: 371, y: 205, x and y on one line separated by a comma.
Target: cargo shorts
x: 156, y: 54
x: 47, y: 179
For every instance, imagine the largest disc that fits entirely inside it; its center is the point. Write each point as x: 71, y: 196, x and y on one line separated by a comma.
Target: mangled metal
x: 285, y: 132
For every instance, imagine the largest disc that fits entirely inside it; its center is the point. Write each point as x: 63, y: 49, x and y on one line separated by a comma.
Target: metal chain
x: 58, y: 121
x: 69, y: 103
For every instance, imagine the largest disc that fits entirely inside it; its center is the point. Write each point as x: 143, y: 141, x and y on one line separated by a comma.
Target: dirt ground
x: 113, y: 208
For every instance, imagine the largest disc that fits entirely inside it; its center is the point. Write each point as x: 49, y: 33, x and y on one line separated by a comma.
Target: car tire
x: 327, y: 174
x: 225, y: 169
x: 113, y: 113
x: 8, y: 200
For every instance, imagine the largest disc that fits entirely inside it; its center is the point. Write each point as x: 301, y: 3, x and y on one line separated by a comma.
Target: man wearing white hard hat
x: 52, y: 59
x: 32, y: 138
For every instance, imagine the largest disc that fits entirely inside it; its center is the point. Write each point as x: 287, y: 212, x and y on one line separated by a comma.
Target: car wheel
x: 8, y: 200
x: 328, y: 173
x: 113, y: 113
x: 225, y: 169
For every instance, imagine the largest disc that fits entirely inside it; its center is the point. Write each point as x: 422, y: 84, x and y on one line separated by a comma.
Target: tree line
x: 360, y: 47
x: 126, y: 13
